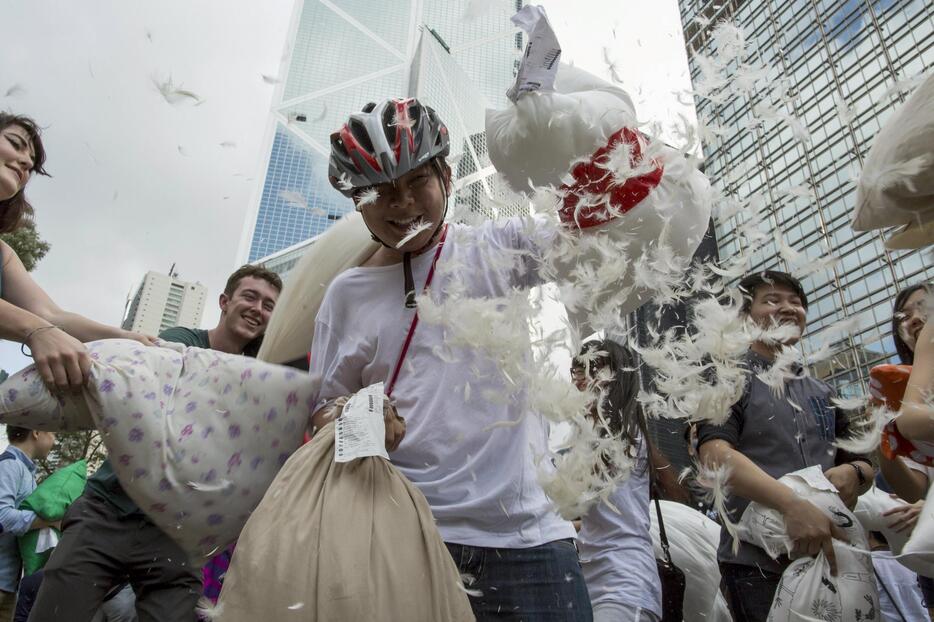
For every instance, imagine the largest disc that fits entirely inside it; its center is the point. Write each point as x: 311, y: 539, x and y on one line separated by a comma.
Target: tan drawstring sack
x: 341, y: 542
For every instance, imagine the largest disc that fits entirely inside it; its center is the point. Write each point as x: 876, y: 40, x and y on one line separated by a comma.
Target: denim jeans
x: 538, y: 584
x: 749, y: 591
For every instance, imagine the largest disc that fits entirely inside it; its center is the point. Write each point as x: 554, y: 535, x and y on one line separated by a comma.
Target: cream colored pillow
x: 896, y: 186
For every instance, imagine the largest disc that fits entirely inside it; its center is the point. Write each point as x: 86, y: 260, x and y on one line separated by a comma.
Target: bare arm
x: 909, y: 484
x: 33, y: 307
x: 809, y: 529
x: 916, y: 421
x: 28, y: 315
x: 666, y: 479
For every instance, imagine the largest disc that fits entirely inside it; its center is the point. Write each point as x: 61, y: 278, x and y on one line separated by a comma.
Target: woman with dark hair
x: 907, y: 478
x: 615, y: 539
x: 27, y: 314
x: 908, y: 319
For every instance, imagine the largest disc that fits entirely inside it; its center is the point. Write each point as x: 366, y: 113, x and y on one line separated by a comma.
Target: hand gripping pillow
x: 582, y: 139
x: 870, y: 511
x: 896, y: 186
x: 195, y: 436
x: 807, y: 590
x: 49, y: 500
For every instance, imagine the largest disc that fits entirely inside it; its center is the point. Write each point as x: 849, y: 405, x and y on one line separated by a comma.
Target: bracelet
x: 859, y: 473
x: 22, y: 347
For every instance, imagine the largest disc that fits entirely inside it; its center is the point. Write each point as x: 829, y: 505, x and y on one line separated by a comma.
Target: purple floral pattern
x: 171, y: 414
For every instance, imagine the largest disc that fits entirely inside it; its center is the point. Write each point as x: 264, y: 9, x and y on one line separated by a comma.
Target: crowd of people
x: 519, y: 558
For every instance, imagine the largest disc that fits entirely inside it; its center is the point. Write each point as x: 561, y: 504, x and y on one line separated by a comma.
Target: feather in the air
x: 294, y: 198
x: 865, y: 433
x: 417, y: 227
x: 14, y: 90
x: 175, y: 94
x: 206, y: 610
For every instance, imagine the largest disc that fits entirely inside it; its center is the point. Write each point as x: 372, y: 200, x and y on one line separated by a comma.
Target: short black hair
x: 16, y: 434
x: 905, y: 355
x: 752, y: 282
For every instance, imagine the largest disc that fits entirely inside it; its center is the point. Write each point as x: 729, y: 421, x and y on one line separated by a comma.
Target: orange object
x: 887, y: 384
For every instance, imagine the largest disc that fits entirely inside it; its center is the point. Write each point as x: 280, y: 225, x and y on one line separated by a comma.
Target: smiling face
x: 246, y: 312
x: 17, y: 156
x: 777, y: 304
x: 417, y: 198
x: 912, y: 316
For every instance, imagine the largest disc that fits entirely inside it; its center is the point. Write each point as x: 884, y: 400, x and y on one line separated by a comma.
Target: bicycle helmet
x: 381, y: 144
x: 384, y: 142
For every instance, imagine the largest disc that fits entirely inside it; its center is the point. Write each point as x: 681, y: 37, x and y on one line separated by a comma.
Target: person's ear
x: 223, y: 301
x: 445, y: 170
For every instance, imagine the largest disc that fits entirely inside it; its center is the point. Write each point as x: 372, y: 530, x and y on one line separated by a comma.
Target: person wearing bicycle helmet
x: 479, y: 476
x: 388, y: 149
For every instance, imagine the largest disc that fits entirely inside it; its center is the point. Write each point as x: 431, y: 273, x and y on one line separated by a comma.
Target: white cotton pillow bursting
x: 807, y: 590
x: 195, y: 436
x: 896, y: 186
x: 544, y: 134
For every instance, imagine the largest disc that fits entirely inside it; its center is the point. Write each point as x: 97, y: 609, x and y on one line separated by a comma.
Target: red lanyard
x: 408, y: 337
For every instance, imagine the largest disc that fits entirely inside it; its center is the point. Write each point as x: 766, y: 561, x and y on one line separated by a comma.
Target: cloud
x: 123, y: 199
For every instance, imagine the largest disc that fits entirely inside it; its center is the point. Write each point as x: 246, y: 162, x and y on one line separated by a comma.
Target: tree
x: 71, y: 447
x: 27, y: 244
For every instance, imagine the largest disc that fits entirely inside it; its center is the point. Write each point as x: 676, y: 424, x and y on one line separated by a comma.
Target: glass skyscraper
x: 849, y: 64
x: 342, y: 54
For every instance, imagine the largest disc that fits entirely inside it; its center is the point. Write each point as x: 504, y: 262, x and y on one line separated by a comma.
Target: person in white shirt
x: 615, y: 538
x: 478, y: 476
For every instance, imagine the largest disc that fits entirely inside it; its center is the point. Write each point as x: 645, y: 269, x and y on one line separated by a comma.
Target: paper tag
x: 539, y: 65
x: 47, y: 539
x: 361, y: 430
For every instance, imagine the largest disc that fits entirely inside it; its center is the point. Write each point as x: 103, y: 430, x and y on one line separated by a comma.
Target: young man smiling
x: 106, y: 538
x: 767, y: 437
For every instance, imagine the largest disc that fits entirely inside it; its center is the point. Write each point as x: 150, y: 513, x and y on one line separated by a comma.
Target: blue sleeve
x: 13, y: 520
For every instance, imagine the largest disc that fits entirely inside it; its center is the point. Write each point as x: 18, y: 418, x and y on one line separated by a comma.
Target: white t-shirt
x: 480, y: 482
x: 899, y: 593
x: 616, y: 550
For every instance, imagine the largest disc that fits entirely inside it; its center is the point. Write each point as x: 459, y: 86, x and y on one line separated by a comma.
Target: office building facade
x: 847, y: 65
x: 342, y: 54
x: 162, y: 301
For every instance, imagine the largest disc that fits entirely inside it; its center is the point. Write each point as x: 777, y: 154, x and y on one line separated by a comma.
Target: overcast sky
x: 140, y: 184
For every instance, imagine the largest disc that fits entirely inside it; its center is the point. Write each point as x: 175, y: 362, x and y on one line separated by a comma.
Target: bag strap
x: 653, y: 488
x: 411, y: 333
x: 661, y: 532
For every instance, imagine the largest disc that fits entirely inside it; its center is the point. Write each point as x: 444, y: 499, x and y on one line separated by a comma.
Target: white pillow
x: 545, y: 134
x: 195, y: 436
x: 896, y: 186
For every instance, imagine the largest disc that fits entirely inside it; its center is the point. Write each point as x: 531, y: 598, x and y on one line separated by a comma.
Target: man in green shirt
x: 106, y: 538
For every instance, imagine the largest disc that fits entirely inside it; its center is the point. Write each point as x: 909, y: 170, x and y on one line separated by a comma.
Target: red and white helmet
x: 384, y: 142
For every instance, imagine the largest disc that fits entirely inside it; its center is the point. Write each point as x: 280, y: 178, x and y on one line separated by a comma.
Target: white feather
x: 175, y: 94
x: 417, y: 227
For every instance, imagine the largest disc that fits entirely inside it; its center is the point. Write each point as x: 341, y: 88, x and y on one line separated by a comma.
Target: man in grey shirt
x: 766, y: 437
